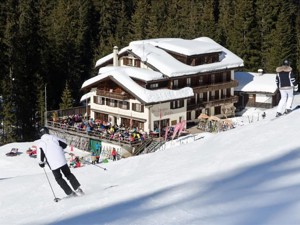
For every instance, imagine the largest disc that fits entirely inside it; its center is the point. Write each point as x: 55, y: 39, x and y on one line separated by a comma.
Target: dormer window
x: 154, y: 86
x: 213, y: 78
x: 188, y: 81
x: 201, y: 80
x: 130, y: 61
x: 175, y: 84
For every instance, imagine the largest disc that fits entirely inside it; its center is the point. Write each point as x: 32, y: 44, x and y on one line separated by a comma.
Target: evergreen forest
x: 49, y: 47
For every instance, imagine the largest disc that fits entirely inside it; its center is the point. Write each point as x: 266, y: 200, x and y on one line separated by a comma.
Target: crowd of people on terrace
x: 103, y: 129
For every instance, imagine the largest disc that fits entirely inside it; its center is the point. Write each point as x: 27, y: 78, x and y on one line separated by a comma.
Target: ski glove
x: 42, y: 165
x: 296, y: 88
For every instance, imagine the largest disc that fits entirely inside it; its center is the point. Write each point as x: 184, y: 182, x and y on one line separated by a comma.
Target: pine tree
x: 177, y: 19
x: 27, y: 67
x: 109, y: 12
x: 207, y: 23
x: 248, y: 44
x: 66, y: 99
x: 3, y: 49
x: 140, y: 19
x: 41, y: 102
x: 282, y: 38
x: 9, y: 100
x: 225, y: 23
x: 266, y: 26
x: 195, y: 9
x: 71, y: 45
x: 297, y: 26
x: 22, y: 44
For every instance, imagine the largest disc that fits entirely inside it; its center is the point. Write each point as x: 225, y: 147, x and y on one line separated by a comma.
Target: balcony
x: 217, y: 102
x: 212, y: 103
x: 216, y: 86
x: 113, y: 94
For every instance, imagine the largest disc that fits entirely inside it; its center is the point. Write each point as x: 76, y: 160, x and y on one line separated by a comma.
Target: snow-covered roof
x: 151, y: 51
x: 134, y: 72
x: 86, y: 96
x: 255, y: 82
x: 109, y: 57
x: 122, y: 75
x: 139, y: 73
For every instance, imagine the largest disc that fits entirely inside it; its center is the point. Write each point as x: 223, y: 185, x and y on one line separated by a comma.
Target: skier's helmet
x: 43, y: 130
x: 286, y: 62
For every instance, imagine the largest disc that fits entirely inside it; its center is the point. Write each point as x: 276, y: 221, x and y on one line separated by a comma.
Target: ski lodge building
x: 157, y: 83
x: 153, y: 87
x: 256, y: 90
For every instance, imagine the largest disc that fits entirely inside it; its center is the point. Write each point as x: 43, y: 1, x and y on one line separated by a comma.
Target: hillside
x: 247, y: 175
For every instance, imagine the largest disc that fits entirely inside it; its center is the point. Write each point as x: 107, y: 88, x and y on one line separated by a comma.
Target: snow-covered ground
x: 247, y: 175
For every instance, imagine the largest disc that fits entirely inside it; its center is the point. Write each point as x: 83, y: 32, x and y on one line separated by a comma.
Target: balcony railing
x: 97, y: 133
x: 112, y: 94
x: 216, y: 86
x: 215, y: 102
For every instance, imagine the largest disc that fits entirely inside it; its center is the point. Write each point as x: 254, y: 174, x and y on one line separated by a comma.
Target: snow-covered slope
x: 247, y: 175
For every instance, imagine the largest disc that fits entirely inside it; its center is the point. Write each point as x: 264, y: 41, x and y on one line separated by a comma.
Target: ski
x: 68, y: 197
x: 285, y: 114
x: 112, y: 186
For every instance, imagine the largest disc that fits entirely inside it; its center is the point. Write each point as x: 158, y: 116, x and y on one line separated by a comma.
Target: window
x: 175, y: 83
x: 205, y: 59
x: 212, y: 96
x: 153, y: 86
x: 137, y: 107
x: 131, y: 61
x: 188, y: 81
x: 176, y: 104
x: 201, y: 97
x: 112, y: 103
x: 213, y: 78
x: 99, y: 100
x: 124, y: 105
x: 217, y: 110
x: 173, y: 122
x: 201, y: 80
x: 103, y: 117
x: 224, y: 76
x: 128, y: 61
x: 137, y: 63
x: 189, y: 115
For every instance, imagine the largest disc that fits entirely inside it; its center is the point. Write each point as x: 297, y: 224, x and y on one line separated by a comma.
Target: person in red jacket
x: 114, y: 154
x: 77, y: 162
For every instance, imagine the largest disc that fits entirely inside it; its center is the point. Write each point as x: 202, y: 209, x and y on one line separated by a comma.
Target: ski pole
x: 55, y: 198
x: 94, y: 165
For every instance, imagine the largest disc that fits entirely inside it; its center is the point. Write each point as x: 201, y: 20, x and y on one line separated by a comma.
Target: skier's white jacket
x: 50, y: 150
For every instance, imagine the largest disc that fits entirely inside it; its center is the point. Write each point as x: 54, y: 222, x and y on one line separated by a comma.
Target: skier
x: 286, y: 83
x: 50, y: 151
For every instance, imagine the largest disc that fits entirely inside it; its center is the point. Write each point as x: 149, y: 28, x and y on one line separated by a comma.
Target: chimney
x: 115, y: 56
x: 260, y: 72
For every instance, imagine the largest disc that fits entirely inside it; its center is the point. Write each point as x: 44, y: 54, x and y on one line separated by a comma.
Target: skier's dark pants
x: 70, y: 176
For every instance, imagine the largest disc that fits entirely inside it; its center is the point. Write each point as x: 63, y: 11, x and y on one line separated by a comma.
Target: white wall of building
x: 162, y: 111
